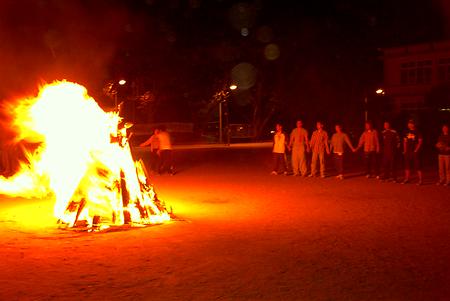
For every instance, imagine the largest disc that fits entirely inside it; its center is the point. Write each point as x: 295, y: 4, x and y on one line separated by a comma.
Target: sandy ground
x: 246, y: 235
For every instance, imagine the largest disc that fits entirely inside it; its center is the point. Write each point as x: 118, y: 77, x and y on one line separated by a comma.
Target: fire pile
x: 82, y: 159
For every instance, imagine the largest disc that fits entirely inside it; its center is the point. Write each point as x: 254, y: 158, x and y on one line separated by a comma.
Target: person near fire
x: 443, y: 146
x: 153, y: 142
x: 319, y: 144
x: 299, y: 144
x: 165, y: 152
x: 371, y: 146
x: 337, y: 146
x: 279, y: 151
x: 390, y: 149
x: 412, y: 147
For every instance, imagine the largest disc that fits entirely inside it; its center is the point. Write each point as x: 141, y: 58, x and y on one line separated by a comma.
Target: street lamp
x: 380, y: 92
x: 120, y: 82
x: 224, y: 94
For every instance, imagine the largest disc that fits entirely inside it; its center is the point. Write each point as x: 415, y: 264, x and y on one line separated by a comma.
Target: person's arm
x: 308, y: 149
x: 147, y: 142
x: 312, y: 141
x: 419, y: 145
x: 361, y: 141
x: 397, y: 140
x: 405, y: 142
x: 326, y: 143
x: 349, y: 143
x: 291, y: 139
x: 332, y: 143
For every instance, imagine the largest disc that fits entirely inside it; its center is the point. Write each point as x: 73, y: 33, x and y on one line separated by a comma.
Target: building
x: 417, y: 77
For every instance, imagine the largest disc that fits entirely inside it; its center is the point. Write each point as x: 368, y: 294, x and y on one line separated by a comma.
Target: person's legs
x: 442, y: 176
x: 303, y: 166
x: 295, y: 161
x: 408, y: 164
x: 314, y: 163
x: 447, y: 168
x: 275, y: 163
x: 367, y: 161
x: 339, y: 164
x: 322, y: 164
x: 162, y: 161
x: 418, y: 166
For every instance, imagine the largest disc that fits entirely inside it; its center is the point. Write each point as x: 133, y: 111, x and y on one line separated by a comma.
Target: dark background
x: 323, y: 58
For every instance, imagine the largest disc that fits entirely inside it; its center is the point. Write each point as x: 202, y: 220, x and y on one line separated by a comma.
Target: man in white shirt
x: 279, y: 149
x: 165, y: 152
x: 299, y: 144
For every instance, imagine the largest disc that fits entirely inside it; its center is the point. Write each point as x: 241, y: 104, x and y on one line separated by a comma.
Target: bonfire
x: 82, y: 160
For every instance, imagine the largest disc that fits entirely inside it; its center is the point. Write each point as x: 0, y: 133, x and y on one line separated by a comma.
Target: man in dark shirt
x: 443, y: 146
x: 412, y: 143
x: 391, y: 144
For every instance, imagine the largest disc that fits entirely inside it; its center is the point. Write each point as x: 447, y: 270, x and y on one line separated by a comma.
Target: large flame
x: 83, y: 160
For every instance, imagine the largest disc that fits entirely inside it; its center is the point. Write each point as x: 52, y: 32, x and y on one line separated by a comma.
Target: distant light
x: 380, y: 92
x: 122, y: 82
x: 272, y: 52
x: 445, y: 109
x: 244, y: 32
x: 233, y: 87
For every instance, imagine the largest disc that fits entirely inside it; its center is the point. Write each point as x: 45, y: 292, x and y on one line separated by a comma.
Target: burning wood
x: 83, y: 161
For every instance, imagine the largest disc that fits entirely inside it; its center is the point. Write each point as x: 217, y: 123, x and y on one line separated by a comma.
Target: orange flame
x: 83, y: 161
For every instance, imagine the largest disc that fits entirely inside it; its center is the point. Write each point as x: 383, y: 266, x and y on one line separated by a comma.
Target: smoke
x: 45, y: 40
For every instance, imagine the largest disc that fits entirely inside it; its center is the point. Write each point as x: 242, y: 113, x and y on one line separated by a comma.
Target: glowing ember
x: 83, y: 160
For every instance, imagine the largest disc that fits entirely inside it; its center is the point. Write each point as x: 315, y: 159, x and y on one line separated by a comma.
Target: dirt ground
x: 245, y: 235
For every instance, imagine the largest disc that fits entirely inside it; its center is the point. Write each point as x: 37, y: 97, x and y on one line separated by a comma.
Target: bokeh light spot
x: 244, y: 75
x: 272, y: 52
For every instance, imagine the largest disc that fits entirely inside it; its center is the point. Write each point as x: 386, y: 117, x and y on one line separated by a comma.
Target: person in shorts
x: 412, y: 147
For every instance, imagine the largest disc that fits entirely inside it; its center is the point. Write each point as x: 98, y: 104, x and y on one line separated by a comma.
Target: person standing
x: 371, y: 146
x: 299, y: 144
x: 319, y: 144
x: 279, y: 150
x: 337, y: 146
x: 153, y: 141
x: 443, y: 146
x: 391, y: 145
x: 165, y: 152
x: 412, y: 147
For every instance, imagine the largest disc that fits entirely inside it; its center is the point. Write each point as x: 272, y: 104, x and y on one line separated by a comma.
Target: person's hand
x: 328, y: 152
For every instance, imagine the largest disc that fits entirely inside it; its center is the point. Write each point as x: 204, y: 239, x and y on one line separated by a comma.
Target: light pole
x: 121, y: 83
x: 379, y: 91
x: 223, y: 99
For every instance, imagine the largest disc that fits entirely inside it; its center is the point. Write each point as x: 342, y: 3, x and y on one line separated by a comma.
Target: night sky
x: 303, y: 57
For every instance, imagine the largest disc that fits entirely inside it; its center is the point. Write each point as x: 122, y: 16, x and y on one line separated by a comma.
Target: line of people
x: 160, y: 151
x: 388, y: 144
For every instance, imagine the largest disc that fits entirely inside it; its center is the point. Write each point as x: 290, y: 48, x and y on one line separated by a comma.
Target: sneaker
x: 285, y: 173
x: 295, y: 174
x: 323, y: 176
x: 419, y: 183
x: 311, y: 176
x: 378, y: 178
x: 274, y: 173
x: 367, y: 176
x: 439, y: 183
x: 406, y: 181
x: 340, y: 177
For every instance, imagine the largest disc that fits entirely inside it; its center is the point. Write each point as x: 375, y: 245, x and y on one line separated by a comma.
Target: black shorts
x: 413, y: 161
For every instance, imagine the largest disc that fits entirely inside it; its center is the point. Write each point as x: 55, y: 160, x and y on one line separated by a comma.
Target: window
x: 444, y: 69
x: 413, y: 73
